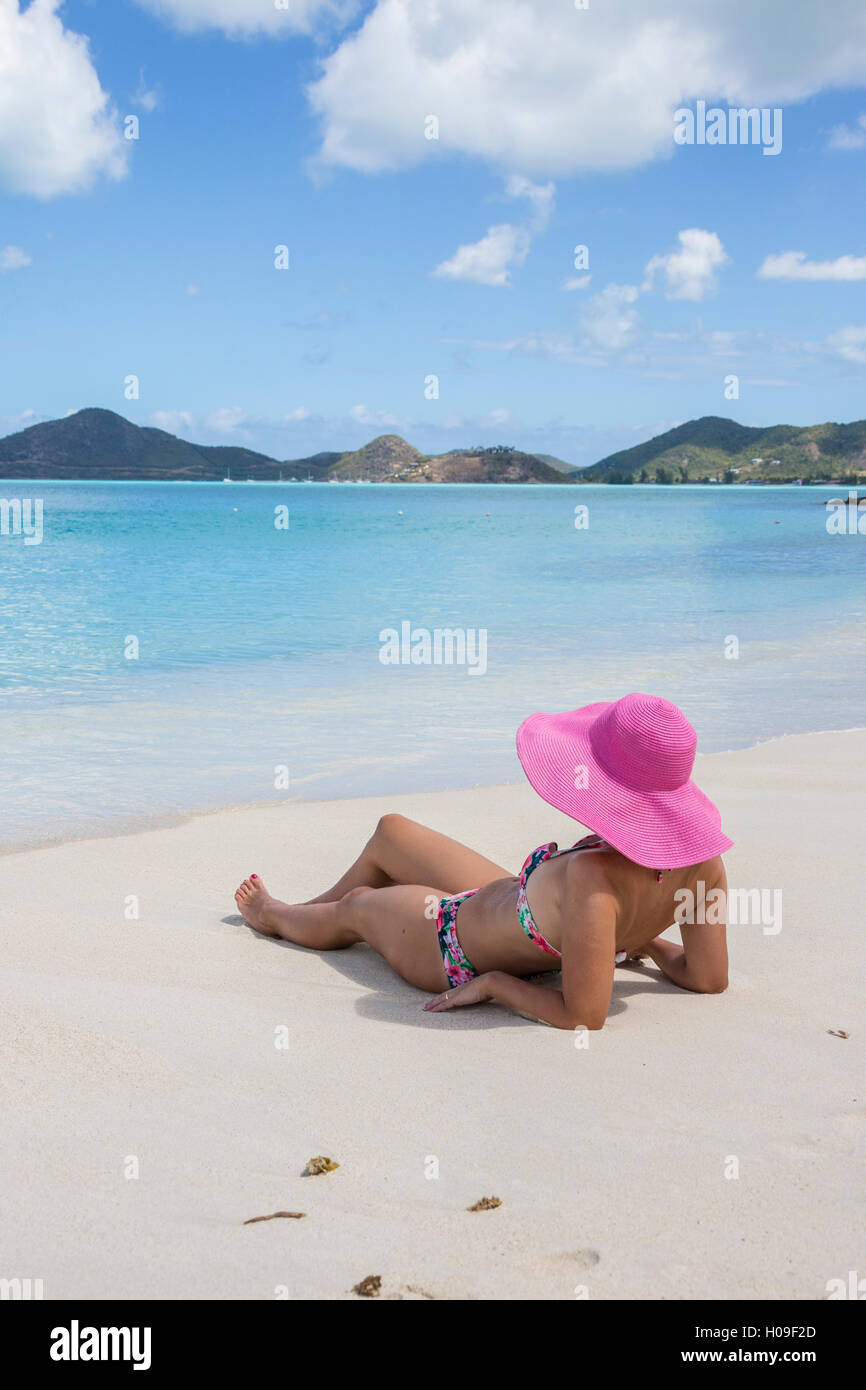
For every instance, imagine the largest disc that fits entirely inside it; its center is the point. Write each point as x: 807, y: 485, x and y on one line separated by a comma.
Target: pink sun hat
x: 623, y: 768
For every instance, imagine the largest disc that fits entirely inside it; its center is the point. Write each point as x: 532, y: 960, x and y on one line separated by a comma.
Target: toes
x: 250, y: 885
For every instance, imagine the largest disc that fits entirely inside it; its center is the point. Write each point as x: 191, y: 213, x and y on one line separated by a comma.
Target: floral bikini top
x: 524, y: 912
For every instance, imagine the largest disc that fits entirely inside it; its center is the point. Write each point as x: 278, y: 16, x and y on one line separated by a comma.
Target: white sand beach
x: 152, y: 1042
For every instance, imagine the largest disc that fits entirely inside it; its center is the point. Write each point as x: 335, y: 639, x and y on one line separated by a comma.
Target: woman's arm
x: 701, y: 963
x: 532, y: 1001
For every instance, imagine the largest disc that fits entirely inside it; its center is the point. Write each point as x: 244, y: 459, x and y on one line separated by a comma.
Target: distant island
x: 98, y: 444
x: 716, y: 450
x: 101, y: 445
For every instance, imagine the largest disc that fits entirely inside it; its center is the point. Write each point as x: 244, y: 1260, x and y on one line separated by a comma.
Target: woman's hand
x: 475, y: 991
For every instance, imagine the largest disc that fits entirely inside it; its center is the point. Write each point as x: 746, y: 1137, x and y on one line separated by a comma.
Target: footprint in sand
x: 567, y: 1261
x: 842, y: 1133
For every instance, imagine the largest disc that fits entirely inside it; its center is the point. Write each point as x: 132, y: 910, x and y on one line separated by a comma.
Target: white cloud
x: 849, y: 343
x: 577, y: 282
x: 226, y: 420
x: 542, y: 196
x: 490, y: 260
x: 13, y: 258
x: 300, y: 412
x: 608, y: 326
x: 58, y: 130
x: 689, y: 272
x: 793, y: 265
x: 362, y: 416
x: 172, y: 420
x: 193, y: 290
x: 11, y: 424
x: 145, y: 97
x: 842, y: 137
x: 244, y: 18
x: 608, y: 323
x: 612, y: 328
x: 559, y: 346
x: 549, y: 89
x: 724, y: 342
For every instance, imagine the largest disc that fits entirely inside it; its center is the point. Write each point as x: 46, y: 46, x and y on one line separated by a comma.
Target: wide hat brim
x: 658, y: 829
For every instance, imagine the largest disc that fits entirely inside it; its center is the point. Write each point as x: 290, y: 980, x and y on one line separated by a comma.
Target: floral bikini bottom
x: 458, y: 966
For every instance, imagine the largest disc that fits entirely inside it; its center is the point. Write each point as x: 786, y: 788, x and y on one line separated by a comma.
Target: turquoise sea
x: 258, y: 648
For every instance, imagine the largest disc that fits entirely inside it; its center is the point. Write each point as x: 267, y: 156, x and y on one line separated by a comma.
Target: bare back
x: 641, y: 907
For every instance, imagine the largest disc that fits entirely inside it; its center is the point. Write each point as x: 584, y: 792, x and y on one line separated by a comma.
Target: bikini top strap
x: 592, y: 841
x: 552, y: 851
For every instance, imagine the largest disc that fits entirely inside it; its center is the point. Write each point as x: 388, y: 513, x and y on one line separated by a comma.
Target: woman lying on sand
x: 623, y: 767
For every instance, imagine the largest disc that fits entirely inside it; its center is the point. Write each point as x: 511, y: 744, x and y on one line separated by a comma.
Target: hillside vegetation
x: 720, y: 449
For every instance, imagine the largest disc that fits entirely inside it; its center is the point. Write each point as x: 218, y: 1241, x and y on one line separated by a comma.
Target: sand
x: 167, y: 1078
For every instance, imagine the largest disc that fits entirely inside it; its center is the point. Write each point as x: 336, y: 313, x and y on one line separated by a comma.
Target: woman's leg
x: 398, y: 921
x: 401, y: 851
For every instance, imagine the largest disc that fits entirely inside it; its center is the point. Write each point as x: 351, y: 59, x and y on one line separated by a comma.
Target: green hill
x: 384, y: 459
x: 100, y: 444
x: 717, y: 449
x: 390, y: 458
x: 559, y: 464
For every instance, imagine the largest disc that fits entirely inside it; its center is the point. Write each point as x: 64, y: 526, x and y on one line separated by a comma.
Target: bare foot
x: 258, y: 908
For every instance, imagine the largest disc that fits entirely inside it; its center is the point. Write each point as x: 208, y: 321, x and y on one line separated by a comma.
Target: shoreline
x: 409, y: 482
x: 144, y: 823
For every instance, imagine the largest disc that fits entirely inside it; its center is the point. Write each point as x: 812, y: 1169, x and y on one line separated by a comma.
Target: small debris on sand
x: 486, y: 1204
x: 838, y: 1033
x: 369, y: 1287
x: 293, y: 1215
x: 320, y: 1164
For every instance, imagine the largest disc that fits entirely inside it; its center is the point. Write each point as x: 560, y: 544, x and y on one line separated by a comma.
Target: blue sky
x: 155, y: 256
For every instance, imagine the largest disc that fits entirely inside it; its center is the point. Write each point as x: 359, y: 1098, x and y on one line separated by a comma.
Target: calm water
x: 258, y: 648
